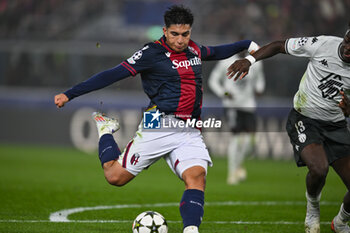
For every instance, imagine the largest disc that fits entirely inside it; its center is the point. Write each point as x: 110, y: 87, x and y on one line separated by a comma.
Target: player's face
x: 178, y: 36
x: 345, y: 47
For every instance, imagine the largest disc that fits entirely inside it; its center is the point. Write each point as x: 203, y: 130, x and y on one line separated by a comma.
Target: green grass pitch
x: 37, y: 181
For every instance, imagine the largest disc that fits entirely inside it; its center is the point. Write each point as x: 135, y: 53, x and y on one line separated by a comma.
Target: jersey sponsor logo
x: 330, y: 86
x: 186, y: 63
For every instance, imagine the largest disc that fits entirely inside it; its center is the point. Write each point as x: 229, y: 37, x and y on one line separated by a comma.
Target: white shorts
x: 182, y: 148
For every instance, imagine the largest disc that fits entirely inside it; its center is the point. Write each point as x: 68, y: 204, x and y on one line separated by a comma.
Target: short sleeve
x: 140, y: 61
x: 303, y: 46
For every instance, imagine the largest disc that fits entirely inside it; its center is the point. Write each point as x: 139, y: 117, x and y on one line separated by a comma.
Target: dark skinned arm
x: 240, y: 68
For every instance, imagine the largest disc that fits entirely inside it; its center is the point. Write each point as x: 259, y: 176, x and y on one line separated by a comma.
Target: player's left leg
x: 340, y: 222
x: 109, y: 151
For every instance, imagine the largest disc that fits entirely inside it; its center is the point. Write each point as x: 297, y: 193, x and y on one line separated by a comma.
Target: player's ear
x: 164, y: 31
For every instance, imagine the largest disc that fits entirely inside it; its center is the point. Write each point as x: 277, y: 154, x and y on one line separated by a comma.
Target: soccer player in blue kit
x: 171, y: 74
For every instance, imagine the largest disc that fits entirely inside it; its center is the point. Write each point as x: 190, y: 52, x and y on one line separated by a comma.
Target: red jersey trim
x: 126, y: 153
x: 129, y: 68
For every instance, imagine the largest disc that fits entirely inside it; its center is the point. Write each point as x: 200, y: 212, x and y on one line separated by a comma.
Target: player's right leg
x: 314, y: 156
x: 109, y: 151
x: 192, y: 202
x: 189, y: 162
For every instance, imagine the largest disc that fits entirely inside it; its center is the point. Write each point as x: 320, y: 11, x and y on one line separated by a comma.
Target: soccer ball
x: 150, y: 222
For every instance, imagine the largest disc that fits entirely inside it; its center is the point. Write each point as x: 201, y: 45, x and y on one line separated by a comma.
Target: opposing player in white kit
x: 240, y: 105
x: 316, y: 125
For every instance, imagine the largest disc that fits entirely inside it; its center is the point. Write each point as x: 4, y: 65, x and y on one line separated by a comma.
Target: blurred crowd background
x: 220, y: 19
x: 47, y: 46
x: 52, y: 43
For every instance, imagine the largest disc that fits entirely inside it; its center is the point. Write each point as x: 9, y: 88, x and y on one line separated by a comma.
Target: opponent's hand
x: 344, y: 104
x: 60, y: 100
x: 239, y: 69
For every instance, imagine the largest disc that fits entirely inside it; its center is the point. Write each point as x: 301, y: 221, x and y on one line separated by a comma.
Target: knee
x: 194, y: 175
x: 115, y: 174
x: 319, y: 171
x: 195, y: 178
x: 316, y: 160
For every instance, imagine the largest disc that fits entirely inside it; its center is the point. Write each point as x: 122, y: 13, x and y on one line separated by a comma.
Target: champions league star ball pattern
x: 150, y: 222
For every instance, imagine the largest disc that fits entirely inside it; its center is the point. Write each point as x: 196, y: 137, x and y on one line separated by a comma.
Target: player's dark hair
x: 178, y: 14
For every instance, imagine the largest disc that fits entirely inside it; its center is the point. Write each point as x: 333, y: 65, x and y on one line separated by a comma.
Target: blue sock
x: 108, y: 149
x: 191, y: 207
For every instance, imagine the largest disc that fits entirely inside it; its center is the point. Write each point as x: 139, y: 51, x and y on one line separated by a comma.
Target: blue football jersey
x: 172, y: 81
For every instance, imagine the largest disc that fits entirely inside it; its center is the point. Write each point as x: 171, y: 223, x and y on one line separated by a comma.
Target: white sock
x: 103, y: 132
x: 343, y: 215
x: 313, y: 202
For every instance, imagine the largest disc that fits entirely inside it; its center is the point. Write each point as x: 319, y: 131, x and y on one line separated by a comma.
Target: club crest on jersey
x: 192, y: 50
x: 135, y: 159
x: 195, y: 61
x: 302, y: 137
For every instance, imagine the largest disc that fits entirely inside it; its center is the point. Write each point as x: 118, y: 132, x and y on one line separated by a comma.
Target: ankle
x: 343, y: 216
x: 314, y: 201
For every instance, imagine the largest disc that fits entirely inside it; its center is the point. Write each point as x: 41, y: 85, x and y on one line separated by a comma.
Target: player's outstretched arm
x: 98, y: 81
x: 241, y: 67
x: 60, y: 100
x: 221, y: 52
x: 344, y: 104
